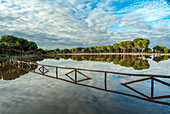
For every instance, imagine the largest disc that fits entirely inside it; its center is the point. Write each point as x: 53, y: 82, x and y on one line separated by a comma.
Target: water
x: 28, y: 92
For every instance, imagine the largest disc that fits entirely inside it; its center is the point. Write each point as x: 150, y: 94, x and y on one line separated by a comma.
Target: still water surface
x: 31, y: 93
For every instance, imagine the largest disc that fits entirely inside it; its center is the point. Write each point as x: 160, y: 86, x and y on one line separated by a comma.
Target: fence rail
x: 81, y: 69
x: 43, y: 70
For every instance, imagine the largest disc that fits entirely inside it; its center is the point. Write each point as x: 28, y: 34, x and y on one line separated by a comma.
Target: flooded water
x: 30, y: 90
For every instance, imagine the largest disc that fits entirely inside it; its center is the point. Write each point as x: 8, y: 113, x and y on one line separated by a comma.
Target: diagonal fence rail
x: 80, y: 69
x: 43, y: 70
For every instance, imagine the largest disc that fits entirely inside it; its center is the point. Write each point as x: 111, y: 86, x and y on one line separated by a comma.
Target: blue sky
x: 74, y: 23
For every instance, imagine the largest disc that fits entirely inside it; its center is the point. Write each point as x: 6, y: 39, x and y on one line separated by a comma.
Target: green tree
x: 3, y: 48
x: 116, y: 47
x: 157, y: 48
x: 129, y: 45
x: 103, y: 48
x: 123, y: 46
x: 66, y: 50
x: 85, y: 50
x: 98, y: 48
x: 9, y: 40
x: 137, y: 43
x: 148, y: 50
x: 145, y: 44
x: 110, y: 48
x: 91, y: 49
x: 32, y: 46
x: 40, y: 51
x: 166, y: 50
x: 23, y: 44
x: 56, y: 50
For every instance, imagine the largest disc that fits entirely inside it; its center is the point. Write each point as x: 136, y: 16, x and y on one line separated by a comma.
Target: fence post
x: 43, y: 69
x: 105, y: 80
x: 152, y: 87
x: 75, y: 75
x: 56, y: 72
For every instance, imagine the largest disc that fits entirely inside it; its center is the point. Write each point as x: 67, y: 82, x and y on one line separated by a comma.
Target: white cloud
x: 72, y: 23
x: 148, y: 10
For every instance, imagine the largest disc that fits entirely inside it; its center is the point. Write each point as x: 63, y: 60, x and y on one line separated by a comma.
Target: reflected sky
x: 34, y: 93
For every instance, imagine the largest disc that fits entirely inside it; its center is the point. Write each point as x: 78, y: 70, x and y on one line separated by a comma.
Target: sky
x: 81, y: 23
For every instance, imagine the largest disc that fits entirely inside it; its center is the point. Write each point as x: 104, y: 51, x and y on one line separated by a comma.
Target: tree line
x: 138, y: 45
x: 10, y: 44
x: 19, y: 46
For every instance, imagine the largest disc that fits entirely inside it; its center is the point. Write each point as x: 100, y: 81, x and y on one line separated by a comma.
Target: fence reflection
x: 44, y: 69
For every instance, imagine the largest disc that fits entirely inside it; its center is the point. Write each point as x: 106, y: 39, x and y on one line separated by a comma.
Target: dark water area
x: 26, y: 88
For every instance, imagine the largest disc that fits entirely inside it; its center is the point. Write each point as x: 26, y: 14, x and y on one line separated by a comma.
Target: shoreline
x: 30, y: 56
x: 113, y: 54
x: 18, y: 57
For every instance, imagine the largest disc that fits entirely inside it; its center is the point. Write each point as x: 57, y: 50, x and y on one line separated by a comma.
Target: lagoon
x: 28, y: 92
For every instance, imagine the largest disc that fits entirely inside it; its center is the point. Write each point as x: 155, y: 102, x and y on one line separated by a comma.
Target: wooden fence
x: 43, y: 70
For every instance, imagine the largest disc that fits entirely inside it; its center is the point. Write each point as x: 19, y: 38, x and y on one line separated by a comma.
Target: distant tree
x: 32, y: 46
x: 123, y: 46
x: 166, y: 50
x: 57, y: 50
x: 40, y: 51
x: 79, y: 49
x: 110, y: 48
x: 85, y: 50
x: 116, y: 47
x: 74, y: 50
x: 145, y: 44
x: 91, y: 49
x: 157, y: 48
x: 130, y: 45
x: 66, y: 50
x: 148, y: 50
x: 137, y: 43
x: 98, y: 48
x: 103, y: 48
x: 22, y: 44
x: 3, y: 48
x: 141, y: 43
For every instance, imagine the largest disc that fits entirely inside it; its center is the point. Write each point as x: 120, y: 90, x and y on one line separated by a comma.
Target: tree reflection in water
x: 136, y: 61
x: 160, y: 58
x: 9, y: 72
x: 15, y: 70
x: 74, y: 80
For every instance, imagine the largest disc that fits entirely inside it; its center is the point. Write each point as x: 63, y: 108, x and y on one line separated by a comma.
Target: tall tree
x: 166, y: 50
x: 123, y: 46
x: 91, y: 49
x: 23, y: 44
x: 116, y: 47
x: 145, y: 44
x: 103, y: 48
x: 110, y: 48
x: 98, y: 48
x: 137, y: 43
x: 32, y: 46
x: 9, y: 40
x: 157, y: 48
x: 130, y: 45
